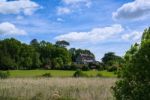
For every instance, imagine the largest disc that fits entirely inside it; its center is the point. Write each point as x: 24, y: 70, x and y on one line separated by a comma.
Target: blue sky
x: 98, y: 25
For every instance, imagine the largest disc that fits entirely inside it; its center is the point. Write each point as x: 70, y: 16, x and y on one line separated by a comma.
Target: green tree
x: 111, y: 61
x: 26, y: 56
x: 135, y: 82
x: 10, y: 49
x: 62, y: 43
x: 57, y: 63
x: 36, y: 60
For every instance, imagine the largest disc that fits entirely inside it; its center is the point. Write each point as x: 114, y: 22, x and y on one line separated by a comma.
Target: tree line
x: 45, y: 55
x: 17, y: 55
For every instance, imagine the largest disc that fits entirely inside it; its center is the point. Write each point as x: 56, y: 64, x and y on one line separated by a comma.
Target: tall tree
x: 135, y: 81
x: 62, y: 43
x: 111, y: 61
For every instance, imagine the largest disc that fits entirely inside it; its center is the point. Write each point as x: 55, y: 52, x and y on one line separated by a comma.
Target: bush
x: 77, y: 66
x: 111, y: 68
x: 79, y: 73
x: 4, y: 75
x: 99, y: 75
x: 85, y: 68
x: 47, y: 75
x: 135, y: 75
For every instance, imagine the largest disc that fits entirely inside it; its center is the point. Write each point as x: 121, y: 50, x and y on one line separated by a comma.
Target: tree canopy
x: 135, y: 82
x: 17, y: 55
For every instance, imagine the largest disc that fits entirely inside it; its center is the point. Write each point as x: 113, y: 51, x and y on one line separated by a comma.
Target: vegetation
x: 56, y: 89
x: 44, y: 55
x: 4, y: 75
x: 79, y: 73
x: 62, y: 43
x: 135, y: 81
x: 112, y: 62
x: 55, y: 60
x: 47, y: 75
x: 17, y: 55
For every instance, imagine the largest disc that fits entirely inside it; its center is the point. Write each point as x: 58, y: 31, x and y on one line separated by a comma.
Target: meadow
x: 56, y: 88
x: 57, y: 73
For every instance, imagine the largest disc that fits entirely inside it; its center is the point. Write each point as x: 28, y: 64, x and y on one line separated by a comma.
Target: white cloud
x: 75, y: 2
x: 20, y: 6
x: 70, y: 6
x: 135, y: 35
x: 60, y: 20
x: 63, y: 10
x: 19, y: 17
x: 138, y: 9
x: 7, y: 28
x: 95, y: 35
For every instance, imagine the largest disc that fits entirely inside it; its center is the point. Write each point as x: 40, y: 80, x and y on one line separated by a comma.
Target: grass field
x: 56, y: 88
x: 56, y: 73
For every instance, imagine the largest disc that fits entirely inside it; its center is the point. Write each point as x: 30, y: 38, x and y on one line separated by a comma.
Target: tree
x: 112, y: 61
x: 26, y: 57
x: 62, y: 43
x: 130, y: 53
x: 73, y: 54
x: 36, y: 60
x: 10, y: 49
x: 34, y: 42
x: 135, y: 81
x: 57, y: 63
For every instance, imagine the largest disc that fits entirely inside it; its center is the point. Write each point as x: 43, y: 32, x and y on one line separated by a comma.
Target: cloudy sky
x: 98, y: 25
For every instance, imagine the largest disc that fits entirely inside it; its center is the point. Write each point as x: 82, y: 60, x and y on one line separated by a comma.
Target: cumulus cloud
x: 63, y: 10
x: 133, y: 10
x: 7, y: 28
x: 26, y: 7
x: 95, y: 35
x: 135, y: 35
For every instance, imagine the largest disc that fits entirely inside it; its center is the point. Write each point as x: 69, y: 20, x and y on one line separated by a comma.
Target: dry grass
x: 56, y: 89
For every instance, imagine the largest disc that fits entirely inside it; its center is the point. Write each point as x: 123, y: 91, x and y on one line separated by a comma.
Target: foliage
x: 99, y: 75
x: 17, y: 55
x: 85, y: 68
x: 47, y: 75
x: 45, y: 55
x: 62, y: 43
x: 76, y: 52
x: 112, y: 62
x: 135, y: 82
x: 96, y: 65
x: 4, y: 75
x: 79, y: 73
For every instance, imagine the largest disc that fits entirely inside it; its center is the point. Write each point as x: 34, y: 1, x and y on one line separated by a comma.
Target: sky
x: 98, y: 25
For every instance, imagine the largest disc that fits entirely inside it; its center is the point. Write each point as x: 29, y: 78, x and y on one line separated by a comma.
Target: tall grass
x: 56, y: 88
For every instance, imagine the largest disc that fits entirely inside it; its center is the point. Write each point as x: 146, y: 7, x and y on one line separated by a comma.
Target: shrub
x: 77, y: 66
x: 111, y: 68
x: 4, y: 75
x: 135, y: 75
x: 99, y: 75
x: 79, y: 73
x: 47, y: 75
x: 85, y: 68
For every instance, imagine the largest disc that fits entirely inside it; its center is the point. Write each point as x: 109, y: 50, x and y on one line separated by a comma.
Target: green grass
x: 56, y: 73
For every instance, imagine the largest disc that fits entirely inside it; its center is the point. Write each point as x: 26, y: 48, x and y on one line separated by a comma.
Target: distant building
x: 85, y: 59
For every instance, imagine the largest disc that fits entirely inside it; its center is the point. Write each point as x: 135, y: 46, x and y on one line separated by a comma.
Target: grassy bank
x: 56, y: 89
x: 56, y: 73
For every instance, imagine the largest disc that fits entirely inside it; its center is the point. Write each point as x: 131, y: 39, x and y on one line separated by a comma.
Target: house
x: 85, y: 59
